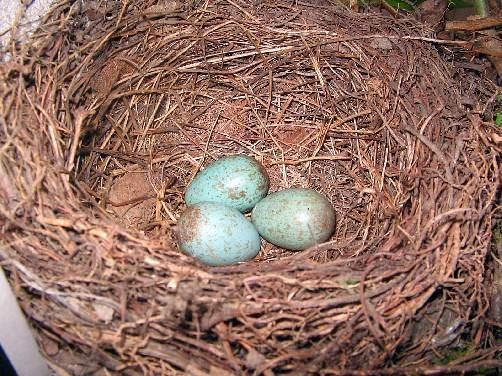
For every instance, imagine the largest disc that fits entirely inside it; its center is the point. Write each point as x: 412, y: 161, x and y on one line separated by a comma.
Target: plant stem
x: 481, y: 7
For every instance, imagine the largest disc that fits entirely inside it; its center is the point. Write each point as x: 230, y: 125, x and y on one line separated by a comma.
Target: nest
x: 110, y: 110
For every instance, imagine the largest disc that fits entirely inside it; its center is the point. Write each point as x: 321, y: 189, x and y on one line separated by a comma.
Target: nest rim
x: 103, y: 252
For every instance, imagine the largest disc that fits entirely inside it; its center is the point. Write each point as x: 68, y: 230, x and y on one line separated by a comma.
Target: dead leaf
x: 254, y: 359
x: 103, y: 312
x: 166, y: 8
x: 109, y: 75
x: 129, y: 187
x: 382, y: 43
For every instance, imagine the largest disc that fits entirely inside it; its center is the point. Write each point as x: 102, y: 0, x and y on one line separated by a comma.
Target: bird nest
x: 110, y: 110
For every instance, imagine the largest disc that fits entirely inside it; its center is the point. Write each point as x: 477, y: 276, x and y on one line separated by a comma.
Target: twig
x: 474, y: 25
x: 318, y: 158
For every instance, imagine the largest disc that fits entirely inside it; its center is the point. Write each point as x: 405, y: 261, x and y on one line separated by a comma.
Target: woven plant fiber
x: 110, y: 110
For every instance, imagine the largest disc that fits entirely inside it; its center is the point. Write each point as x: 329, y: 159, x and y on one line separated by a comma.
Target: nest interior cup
x: 110, y: 110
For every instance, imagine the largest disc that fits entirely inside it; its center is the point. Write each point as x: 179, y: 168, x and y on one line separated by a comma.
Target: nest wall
x: 360, y: 107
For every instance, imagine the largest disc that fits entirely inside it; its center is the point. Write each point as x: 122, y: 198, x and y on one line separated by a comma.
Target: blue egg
x: 217, y: 235
x: 295, y: 219
x: 237, y: 181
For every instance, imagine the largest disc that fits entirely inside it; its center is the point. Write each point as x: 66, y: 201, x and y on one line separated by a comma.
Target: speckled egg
x: 295, y: 218
x: 217, y: 235
x: 237, y: 181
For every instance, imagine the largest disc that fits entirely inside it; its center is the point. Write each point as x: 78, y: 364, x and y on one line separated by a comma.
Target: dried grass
x: 361, y: 107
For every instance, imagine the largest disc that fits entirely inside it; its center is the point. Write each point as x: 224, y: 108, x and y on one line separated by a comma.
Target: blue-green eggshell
x: 217, y: 235
x: 295, y: 219
x: 237, y: 181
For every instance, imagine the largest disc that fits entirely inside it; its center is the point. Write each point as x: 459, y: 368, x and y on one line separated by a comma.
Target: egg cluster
x: 214, y: 230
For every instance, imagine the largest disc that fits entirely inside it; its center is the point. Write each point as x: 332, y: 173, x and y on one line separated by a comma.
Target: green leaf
x: 498, y: 114
x: 498, y: 119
